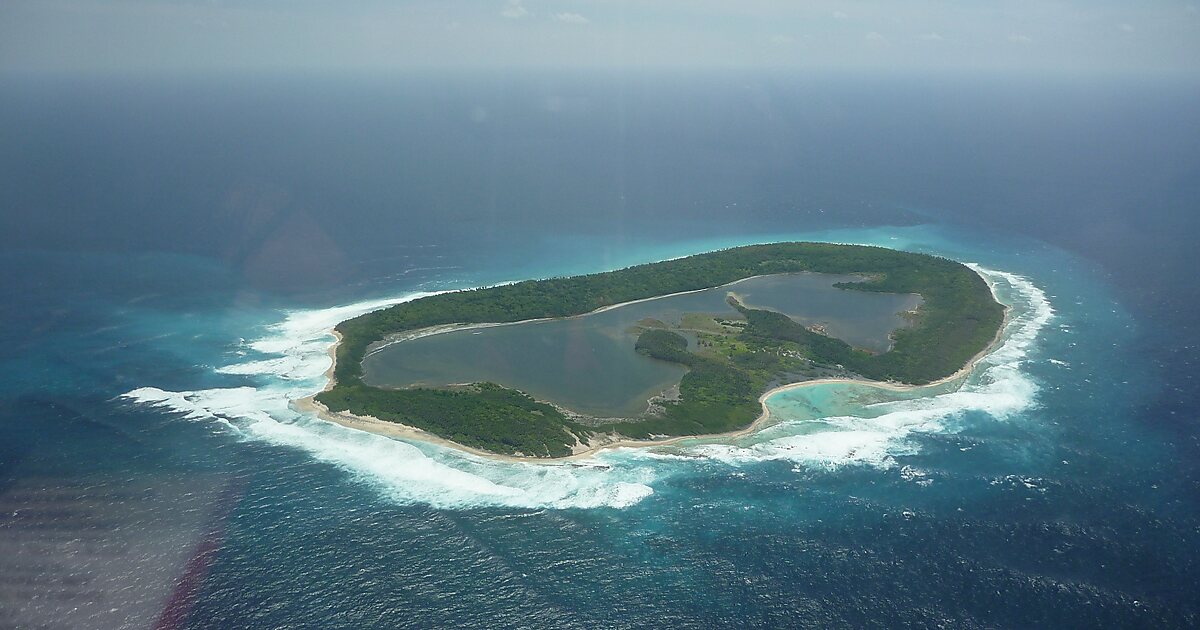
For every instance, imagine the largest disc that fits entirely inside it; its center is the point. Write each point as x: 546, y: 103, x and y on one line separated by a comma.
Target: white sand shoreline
x: 600, y: 443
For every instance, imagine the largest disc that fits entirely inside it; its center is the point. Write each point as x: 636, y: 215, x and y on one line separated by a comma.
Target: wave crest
x: 294, y: 358
x: 399, y: 470
x: 997, y: 386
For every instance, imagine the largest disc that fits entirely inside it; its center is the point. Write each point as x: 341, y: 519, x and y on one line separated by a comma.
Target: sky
x: 179, y: 36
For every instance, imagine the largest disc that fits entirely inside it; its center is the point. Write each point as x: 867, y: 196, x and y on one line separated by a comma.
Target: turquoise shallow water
x: 855, y: 485
x: 172, y: 272
x: 926, y: 446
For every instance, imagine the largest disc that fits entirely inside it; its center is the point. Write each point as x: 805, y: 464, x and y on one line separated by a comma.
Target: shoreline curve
x: 601, y: 443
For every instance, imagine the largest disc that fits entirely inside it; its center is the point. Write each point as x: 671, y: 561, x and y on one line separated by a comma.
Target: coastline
x: 598, y: 443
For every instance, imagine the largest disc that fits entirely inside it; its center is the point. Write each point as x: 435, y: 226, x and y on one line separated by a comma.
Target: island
x: 726, y: 362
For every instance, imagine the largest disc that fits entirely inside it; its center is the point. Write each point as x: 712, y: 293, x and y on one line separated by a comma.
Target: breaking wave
x: 880, y: 432
x: 297, y: 351
x: 292, y: 359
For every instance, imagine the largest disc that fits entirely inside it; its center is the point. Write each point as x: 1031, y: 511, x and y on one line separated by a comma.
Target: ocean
x: 175, y: 252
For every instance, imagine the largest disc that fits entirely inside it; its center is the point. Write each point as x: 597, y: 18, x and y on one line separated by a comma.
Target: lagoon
x: 588, y: 363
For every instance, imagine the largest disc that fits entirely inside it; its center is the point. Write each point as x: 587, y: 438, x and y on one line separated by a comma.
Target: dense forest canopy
x: 958, y: 318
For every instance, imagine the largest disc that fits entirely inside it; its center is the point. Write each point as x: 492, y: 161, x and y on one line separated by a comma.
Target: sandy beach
x: 598, y: 443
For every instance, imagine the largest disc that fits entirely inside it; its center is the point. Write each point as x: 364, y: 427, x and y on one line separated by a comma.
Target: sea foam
x: 997, y: 387
x: 292, y: 358
x: 296, y: 359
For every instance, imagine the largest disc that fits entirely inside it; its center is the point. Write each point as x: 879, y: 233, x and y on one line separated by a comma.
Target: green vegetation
x: 715, y: 396
x: 701, y: 322
x: 957, y: 319
x: 665, y: 345
x: 485, y: 416
x: 768, y: 329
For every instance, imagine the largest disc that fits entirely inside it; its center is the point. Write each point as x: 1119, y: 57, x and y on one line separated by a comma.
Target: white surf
x: 293, y: 358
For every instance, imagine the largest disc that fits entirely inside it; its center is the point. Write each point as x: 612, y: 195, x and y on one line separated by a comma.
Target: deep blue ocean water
x: 174, y: 252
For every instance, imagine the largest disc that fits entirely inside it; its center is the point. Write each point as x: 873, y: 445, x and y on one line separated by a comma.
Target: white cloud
x: 931, y: 37
x: 571, y: 18
x: 838, y: 15
x: 514, y: 10
x: 1128, y: 28
x: 876, y: 38
x: 1018, y: 38
x: 782, y: 40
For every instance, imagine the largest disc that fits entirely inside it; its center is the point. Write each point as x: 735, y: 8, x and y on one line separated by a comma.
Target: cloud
x: 130, y: 36
x: 571, y: 18
x: 1128, y: 28
x: 514, y: 10
x: 876, y: 38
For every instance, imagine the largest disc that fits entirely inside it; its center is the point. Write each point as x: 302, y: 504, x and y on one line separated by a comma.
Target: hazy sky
x: 224, y: 35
